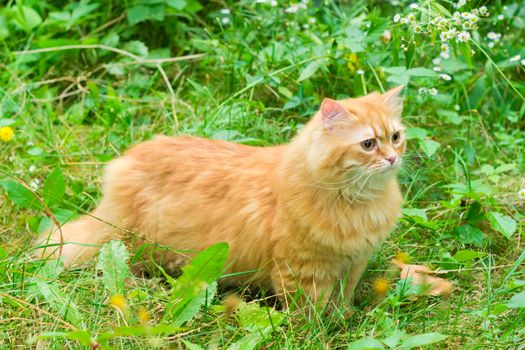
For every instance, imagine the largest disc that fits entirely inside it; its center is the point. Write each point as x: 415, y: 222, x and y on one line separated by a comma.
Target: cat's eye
x: 369, y: 144
x: 396, y: 137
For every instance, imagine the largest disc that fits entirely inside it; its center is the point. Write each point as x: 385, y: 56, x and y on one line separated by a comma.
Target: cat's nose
x: 391, y: 159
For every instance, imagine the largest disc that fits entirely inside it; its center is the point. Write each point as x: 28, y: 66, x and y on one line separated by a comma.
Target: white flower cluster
x: 296, y: 7
x: 456, y: 28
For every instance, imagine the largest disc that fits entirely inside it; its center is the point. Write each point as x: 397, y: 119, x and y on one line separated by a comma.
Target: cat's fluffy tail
x: 78, y: 240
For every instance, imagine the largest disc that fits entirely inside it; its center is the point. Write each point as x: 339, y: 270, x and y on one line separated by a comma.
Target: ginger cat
x: 306, y: 214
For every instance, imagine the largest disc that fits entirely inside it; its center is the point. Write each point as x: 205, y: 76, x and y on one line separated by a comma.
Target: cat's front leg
x: 303, y: 288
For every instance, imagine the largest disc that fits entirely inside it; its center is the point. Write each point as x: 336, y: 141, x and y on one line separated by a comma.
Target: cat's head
x: 358, y: 137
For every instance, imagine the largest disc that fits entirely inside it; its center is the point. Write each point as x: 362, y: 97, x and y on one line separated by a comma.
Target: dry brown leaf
x: 421, y: 275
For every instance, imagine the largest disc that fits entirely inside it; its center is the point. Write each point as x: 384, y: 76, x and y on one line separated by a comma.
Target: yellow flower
x: 6, y: 133
x: 118, y: 301
x: 143, y: 315
x: 380, y: 286
x: 403, y: 257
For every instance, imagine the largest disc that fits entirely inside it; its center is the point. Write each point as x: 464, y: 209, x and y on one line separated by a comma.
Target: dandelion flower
x: 143, y: 315
x: 403, y: 257
x: 118, y: 301
x: 521, y: 194
x: 380, y: 286
x: 445, y: 77
x: 6, y: 133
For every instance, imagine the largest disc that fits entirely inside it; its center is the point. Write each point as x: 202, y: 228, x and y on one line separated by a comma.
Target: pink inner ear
x: 331, y: 109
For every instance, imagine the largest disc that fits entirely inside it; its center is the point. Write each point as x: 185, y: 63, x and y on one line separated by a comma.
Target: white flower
x: 464, y: 36
x: 225, y: 20
x: 436, y: 60
x: 397, y: 17
x: 505, y: 8
x: 483, y: 10
x: 306, y: 26
x: 411, y: 17
x: 515, y: 58
x: 523, y: 61
x: 34, y: 184
x: 273, y: 3
x: 422, y: 90
x: 437, y: 69
x: 260, y: 1
x: 32, y: 168
x: 225, y: 11
x: 414, y: 6
x: 360, y: 72
x: 457, y: 108
x: 292, y: 9
x: 311, y: 20
x: 521, y: 194
x: 491, y: 44
x: 445, y: 77
x: 433, y: 91
x: 461, y: 3
x: 30, y: 143
x: 500, y: 17
x: 445, y: 51
x: 493, y: 36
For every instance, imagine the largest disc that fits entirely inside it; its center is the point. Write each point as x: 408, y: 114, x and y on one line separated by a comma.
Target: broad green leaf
x: 416, y: 213
x: 468, y: 234
x: 467, y: 254
x: 58, y: 301
x: 502, y: 223
x: 517, y: 301
x: 191, y: 346
x: 309, y: 70
x: 366, y: 344
x: 416, y: 133
x: 419, y: 340
x: 429, y: 147
x: 248, y: 342
x: 177, y: 4
x: 191, y: 309
x: 258, y: 319
x: 205, y: 268
x: 113, y: 261
x: 422, y: 72
x: 26, y: 18
x: 20, y: 195
x: 54, y: 187
x: 355, y: 39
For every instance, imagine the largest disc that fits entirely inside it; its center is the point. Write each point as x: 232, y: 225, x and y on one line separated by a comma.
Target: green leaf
x: 248, y: 342
x: 502, y: 223
x: 416, y: 133
x: 191, y: 346
x: 429, y: 146
x: 517, y: 301
x: 467, y: 254
x: 194, y: 306
x: 54, y: 187
x: 419, y: 340
x: 468, y: 234
x: 205, y: 268
x: 258, y: 319
x: 26, y: 18
x: 113, y: 261
x: 366, y: 344
x: 20, y: 195
x: 422, y: 72
x: 177, y: 4
x: 58, y: 301
x: 309, y: 70
x: 355, y: 39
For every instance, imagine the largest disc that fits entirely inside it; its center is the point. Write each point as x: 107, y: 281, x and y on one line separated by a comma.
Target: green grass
x: 262, y: 74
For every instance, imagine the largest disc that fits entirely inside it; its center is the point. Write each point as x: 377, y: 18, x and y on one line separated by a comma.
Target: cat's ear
x: 394, y: 99
x: 332, y: 112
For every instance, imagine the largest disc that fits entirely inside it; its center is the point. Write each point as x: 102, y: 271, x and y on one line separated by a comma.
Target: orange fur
x: 305, y: 214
